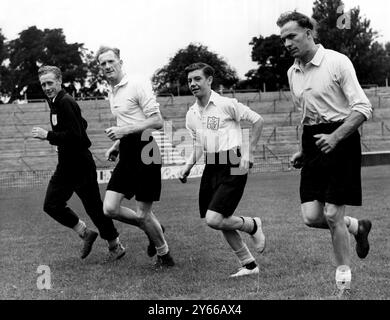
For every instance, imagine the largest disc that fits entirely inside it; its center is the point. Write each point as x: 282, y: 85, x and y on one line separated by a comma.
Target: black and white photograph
x: 195, y: 158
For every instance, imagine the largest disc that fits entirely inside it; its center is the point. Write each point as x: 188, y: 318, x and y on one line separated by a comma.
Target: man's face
x: 111, y: 66
x: 198, y: 83
x: 50, y: 84
x: 296, y: 39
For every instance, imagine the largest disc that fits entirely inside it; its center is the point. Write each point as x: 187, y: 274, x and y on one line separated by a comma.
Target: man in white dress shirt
x: 324, y: 86
x: 138, y: 173
x: 214, y: 124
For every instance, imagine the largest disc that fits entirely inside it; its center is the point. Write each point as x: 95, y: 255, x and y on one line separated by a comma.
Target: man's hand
x: 296, y: 160
x: 326, y: 142
x: 115, y: 133
x: 39, y: 133
x: 111, y: 154
x: 183, y: 174
x: 247, y: 161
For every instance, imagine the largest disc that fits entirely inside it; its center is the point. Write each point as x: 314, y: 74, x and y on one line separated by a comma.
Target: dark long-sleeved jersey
x: 68, y: 127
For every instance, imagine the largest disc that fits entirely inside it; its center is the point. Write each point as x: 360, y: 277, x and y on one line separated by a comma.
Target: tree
x: 94, y: 83
x: 273, y: 61
x: 3, y: 53
x: 172, y: 78
x: 34, y: 48
x: 5, y: 75
x: 348, y: 33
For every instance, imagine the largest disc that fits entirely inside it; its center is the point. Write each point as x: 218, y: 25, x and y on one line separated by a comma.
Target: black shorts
x: 220, y: 190
x: 334, y: 177
x: 138, y: 172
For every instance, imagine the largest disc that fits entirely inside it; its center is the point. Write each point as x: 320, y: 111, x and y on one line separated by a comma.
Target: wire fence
x: 30, y: 179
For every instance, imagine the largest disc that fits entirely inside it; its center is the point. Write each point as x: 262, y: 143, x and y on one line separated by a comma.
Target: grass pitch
x: 298, y: 262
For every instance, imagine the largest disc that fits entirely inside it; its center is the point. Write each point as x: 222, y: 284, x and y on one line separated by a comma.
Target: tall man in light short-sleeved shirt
x: 325, y: 88
x: 138, y: 173
x: 214, y: 124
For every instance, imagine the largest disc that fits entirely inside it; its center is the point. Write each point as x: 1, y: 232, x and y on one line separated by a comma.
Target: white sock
x: 162, y: 250
x: 247, y: 225
x: 80, y: 228
x: 244, y: 255
x: 113, y: 243
x: 343, y: 277
x: 353, y: 225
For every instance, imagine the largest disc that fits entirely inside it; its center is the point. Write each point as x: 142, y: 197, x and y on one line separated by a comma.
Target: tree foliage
x: 273, y: 61
x: 35, y: 47
x: 346, y: 32
x: 350, y: 34
x: 172, y: 78
x: 5, y: 74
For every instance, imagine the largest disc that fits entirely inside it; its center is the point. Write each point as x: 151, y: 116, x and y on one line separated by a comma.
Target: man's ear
x: 210, y: 80
x: 310, y: 34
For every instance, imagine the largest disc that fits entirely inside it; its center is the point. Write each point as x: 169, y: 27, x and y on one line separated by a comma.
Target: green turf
x: 298, y: 262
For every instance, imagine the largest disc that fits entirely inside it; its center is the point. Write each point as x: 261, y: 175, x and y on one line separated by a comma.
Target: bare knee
x: 310, y: 221
x: 144, y: 216
x: 110, y: 209
x: 214, y: 220
x: 313, y: 214
x: 334, y: 215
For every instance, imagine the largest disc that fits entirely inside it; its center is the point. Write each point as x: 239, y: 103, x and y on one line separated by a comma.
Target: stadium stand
x: 20, y: 152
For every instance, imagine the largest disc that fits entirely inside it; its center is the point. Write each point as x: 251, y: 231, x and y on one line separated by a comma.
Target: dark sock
x: 251, y: 265
x: 165, y: 256
x: 254, y: 227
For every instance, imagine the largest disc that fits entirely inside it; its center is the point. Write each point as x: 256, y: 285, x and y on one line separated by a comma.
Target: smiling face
x: 297, y: 40
x: 199, y: 85
x: 50, y: 84
x: 111, y: 66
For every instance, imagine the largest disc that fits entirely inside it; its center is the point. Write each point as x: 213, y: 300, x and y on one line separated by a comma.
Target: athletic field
x: 297, y: 264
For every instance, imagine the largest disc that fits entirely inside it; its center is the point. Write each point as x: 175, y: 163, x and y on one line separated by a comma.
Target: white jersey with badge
x: 216, y: 127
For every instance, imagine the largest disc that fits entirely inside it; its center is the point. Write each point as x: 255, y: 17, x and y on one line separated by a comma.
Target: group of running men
x: 324, y: 87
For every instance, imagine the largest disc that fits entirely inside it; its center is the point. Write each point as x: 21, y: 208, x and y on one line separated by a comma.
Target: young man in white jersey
x: 324, y: 86
x: 214, y: 124
x: 137, y: 173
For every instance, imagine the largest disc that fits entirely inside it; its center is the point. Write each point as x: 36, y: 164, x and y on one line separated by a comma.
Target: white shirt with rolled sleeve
x: 132, y: 101
x: 326, y: 89
x: 216, y: 127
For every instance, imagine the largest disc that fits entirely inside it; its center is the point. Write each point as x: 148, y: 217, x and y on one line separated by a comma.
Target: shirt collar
x: 58, y: 95
x: 316, y: 60
x: 213, y: 99
x: 124, y: 80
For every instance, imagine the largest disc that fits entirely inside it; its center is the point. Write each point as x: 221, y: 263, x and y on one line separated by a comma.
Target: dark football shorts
x: 138, y: 172
x: 335, y: 177
x: 222, y: 184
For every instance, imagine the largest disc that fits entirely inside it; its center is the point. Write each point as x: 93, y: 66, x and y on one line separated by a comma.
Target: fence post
x: 24, y: 146
x: 274, y: 105
x: 382, y: 128
x: 379, y: 101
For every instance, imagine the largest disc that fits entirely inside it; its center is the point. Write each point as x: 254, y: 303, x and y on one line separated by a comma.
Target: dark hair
x: 207, y: 70
x: 104, y: 49
x: 302, y: 20
x: 50, y: 69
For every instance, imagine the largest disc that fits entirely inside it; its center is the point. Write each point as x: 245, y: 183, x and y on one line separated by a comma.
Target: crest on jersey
x: 213, y: 123
x: 54, y: 119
